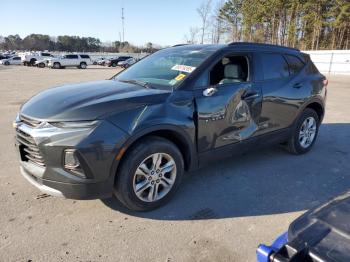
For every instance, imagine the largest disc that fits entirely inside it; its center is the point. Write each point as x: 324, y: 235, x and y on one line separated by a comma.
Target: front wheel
x: 32, y: 62
x: 305, y: 132
x: 41, y: 65
x: 56, y: 65
x: 149, y: 174
x: 7, y: 63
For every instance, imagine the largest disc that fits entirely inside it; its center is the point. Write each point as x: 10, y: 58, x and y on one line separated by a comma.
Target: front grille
x: 29, y: 121
x: 28, y: 148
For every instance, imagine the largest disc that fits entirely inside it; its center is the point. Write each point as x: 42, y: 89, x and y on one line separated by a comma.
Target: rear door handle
x: 297, y: 85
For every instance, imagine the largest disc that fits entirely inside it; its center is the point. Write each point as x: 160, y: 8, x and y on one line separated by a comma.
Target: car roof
x: 241, y: 46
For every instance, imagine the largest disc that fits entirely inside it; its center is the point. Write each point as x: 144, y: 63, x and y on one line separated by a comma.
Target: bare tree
x: 204, y: 12
x: 191, y: 37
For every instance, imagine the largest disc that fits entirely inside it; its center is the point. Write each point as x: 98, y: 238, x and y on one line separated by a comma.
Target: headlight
x: 79, y: 124
x: 17, y: 120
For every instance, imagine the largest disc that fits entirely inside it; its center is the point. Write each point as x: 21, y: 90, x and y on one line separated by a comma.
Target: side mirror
x: 209, y: 91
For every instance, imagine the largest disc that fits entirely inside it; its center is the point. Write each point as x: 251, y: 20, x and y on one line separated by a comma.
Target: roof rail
x: 179, y: 45
x: 262, y: 45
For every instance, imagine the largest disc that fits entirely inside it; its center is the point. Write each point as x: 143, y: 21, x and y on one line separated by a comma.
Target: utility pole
x: 123, y: 22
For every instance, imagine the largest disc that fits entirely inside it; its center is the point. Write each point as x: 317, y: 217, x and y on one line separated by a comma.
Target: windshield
x: 166, y: 68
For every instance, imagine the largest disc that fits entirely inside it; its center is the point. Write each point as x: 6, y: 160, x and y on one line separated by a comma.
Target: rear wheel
x: 114, y: 64
x: 149, y: 174
x: 41, y: 65
x: 305, y: 132
x: 7, y: 63
x: 83, y: 65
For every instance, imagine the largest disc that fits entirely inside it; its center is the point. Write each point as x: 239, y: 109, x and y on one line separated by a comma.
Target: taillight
x: 325, y: 82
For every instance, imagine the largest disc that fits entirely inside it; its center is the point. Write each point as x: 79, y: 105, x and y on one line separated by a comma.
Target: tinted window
x: 312, y: 69
x: 295, y: 64
x: 84, y: 56
x: 17, y: 58
x: 71, y: 56
x: 45, y: 54
x: 274, y: 66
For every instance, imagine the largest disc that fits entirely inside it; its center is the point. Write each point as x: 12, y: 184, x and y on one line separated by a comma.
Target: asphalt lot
x: 221, y: 212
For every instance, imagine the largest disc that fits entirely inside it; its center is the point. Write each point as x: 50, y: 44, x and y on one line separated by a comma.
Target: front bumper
x: 97, y: 149
x: 69, y: 190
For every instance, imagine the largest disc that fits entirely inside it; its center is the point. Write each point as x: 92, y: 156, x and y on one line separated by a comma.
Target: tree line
x: 304, y: 24
x: 40, y: 42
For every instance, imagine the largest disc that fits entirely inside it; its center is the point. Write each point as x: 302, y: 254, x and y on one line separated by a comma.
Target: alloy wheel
x: 307, y: 132
x: 154, y: 177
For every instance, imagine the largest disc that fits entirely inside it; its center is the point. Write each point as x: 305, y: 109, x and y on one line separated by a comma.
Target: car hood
x: 90, y: 100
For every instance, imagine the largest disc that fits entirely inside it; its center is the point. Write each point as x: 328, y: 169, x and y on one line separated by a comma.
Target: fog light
x: 71, y: 163
x: 70, y: 159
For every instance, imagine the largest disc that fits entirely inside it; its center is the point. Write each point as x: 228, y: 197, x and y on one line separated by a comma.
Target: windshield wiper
x: 137, y: 82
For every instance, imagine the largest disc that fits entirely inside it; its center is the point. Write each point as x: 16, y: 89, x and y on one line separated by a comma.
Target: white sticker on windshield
x: 183, y: 68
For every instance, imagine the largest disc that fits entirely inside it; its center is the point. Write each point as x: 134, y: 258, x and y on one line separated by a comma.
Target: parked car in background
x: 29, y: 58
x: 15, y: 60
x: 321, y: 234
x: 5, y: 56
x: 102, y: 61
x: 72, y: 60
x: 180, y: 108
x: 127, y: 62
x: 94, y: 60
x: 41, y: 63
x: 114, y: 61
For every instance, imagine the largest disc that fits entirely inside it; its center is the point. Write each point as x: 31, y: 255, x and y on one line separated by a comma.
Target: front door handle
x: 250, y: 95
x: 297, y: 85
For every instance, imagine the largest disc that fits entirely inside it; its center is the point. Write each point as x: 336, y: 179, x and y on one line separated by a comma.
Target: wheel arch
x: 169, y: 132
x: 318, y: 107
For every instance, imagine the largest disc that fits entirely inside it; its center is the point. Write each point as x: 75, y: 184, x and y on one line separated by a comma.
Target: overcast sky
x: 161, y: 22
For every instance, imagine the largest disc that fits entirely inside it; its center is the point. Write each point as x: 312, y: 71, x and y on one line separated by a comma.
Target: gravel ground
x: 221, y: 212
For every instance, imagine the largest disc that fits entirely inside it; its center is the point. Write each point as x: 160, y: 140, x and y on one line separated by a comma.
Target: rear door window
x: 295, y: 64
x: 84, y: 56
x: 274, y: 66
x: 72, y: 56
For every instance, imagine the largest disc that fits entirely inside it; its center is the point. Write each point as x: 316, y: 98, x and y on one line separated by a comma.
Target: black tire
x: 82, y: 65
x: 114, y: 64
x: 56, y: 65
x: 7, y: 63
x: 124, y: 186
x: 41, y: 65
x: 294, y: 145
x: 32, y: 62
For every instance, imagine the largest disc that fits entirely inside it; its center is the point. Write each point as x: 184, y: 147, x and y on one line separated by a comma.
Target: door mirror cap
x: 209, y: 91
